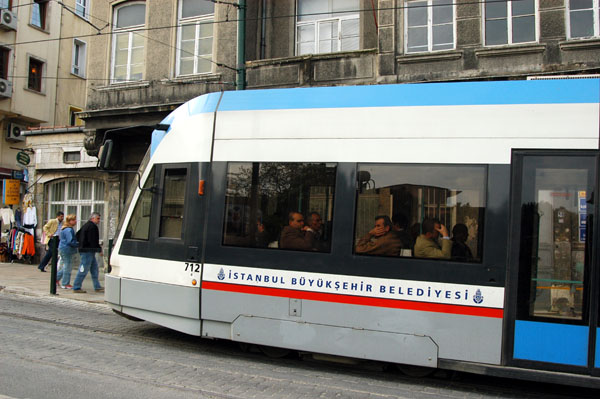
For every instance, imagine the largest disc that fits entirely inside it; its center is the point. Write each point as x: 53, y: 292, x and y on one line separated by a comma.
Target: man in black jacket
x: 89, y: 244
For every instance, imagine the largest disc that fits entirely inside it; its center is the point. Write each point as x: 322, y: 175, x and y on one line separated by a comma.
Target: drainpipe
x: 58, y: 65
x: 241, y: 46
x: 263, y: 28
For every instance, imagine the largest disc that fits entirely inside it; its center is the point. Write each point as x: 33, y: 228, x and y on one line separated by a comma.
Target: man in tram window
x: 261, y: 237
x: 427, y: 245
x: 400, y: 228
x: 296, y: 235
x: 460, y: 249
x: 380, y: 240
x: 315, y: 222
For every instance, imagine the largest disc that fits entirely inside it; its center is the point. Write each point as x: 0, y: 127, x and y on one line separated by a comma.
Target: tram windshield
x: 133, y: 187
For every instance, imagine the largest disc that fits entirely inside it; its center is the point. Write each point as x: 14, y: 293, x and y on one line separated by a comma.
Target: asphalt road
x: 60, y: 348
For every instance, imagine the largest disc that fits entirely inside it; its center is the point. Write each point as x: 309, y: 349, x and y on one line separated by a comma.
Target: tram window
x: 407, y: 195
x: 139, y: 224
x: 260, y: 197
x: 171, y: 213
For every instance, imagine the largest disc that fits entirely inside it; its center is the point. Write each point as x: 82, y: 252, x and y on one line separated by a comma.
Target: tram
x: 201, y: 250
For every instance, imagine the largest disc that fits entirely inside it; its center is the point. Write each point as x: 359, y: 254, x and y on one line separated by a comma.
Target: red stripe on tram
x: 356, y: 300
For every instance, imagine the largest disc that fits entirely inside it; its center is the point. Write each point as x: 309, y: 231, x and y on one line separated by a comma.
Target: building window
x: 405, y: 201
x: 327, y: 26
x: 429, y: 25
x: 4, y: 59
x: 73, y: 119
x: 79, y: 197
x: 82, y: 8
x: 128, y: 45
x: 36, y: 69
x: 39, y: 9
x: 583, y: 18
x: 71, y: 156
x: 510, y: 22
x: 269, y: 205
x: 6, y: 4
x: 195, y: 37
x: 78, y: 61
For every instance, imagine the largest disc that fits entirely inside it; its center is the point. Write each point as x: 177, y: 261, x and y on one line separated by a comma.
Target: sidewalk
x: 22, y: 278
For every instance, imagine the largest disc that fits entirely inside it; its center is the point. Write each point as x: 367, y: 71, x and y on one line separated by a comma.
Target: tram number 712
x: 192, y: 267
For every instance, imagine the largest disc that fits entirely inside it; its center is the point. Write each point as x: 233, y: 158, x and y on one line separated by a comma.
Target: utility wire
x: 135, y: 31
x: 22, y: 5
x: 107, y: 80
x: 214, y: 22
x: 295, y: 15
x: 74, y: 12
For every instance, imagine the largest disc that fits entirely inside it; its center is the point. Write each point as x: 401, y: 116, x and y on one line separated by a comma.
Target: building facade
x: 401, y: 41
x: 28, y: 53
x: 44, y: 53
x: 156, y: 54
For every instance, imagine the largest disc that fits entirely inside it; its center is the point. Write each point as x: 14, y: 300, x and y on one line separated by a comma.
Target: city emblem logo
x: 478, y: 298
x: 221, y: 275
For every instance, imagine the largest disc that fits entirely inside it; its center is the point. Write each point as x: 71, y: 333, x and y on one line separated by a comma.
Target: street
x: 60, y: 348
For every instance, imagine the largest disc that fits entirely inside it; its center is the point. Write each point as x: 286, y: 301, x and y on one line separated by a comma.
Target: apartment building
x: 28, y: 51
x: 44, y: 51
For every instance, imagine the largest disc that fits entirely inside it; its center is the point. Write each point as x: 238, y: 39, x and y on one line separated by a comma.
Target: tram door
x: 553, y: 314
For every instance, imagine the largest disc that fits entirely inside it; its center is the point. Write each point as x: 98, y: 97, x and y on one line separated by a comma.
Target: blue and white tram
x: 515, y: 163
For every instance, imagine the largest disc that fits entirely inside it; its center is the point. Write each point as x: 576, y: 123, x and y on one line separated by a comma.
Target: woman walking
x: 67, y: 248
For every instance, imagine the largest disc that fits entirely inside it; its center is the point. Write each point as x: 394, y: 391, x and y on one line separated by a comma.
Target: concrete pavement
x: 22, y: 278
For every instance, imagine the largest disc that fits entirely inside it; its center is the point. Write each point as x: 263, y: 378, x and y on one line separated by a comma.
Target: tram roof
x: 381, y: 97
x: 556, y: 91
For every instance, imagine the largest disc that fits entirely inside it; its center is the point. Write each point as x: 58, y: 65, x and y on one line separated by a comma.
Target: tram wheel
x: 415, y: 371
x: 273, y: 352
x: 244, y: 346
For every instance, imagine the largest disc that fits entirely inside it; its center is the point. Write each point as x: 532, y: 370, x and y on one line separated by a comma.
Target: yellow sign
x: 10, y: 191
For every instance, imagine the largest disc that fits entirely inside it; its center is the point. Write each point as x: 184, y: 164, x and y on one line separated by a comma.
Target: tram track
x: 289, y: 370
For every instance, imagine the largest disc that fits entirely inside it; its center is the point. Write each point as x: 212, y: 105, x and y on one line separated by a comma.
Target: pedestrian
x: 67, y: 248
x: 89, y: 246
x: 52, y: 231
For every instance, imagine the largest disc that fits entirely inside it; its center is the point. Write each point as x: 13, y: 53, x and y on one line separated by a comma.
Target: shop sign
x: 17, y: 174
x: 11, y: 191
x: 23, y: 158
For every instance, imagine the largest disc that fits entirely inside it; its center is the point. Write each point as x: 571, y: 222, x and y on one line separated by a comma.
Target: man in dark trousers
x: 52, y: 231
x: 89, y: 246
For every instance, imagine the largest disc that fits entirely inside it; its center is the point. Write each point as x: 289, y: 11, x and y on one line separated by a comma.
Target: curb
x: 26, y: 292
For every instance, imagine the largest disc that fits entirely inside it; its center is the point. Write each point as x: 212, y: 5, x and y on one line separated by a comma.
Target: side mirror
x: 104, y: 155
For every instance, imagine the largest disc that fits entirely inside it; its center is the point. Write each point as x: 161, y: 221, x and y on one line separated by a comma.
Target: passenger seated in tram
x: 460, y: 249
x: 261, y: 237
x: 400, y: 228
x: 380, y: 240
x: 296, y: 235
x: 315, y: 222
x: 427, y: 245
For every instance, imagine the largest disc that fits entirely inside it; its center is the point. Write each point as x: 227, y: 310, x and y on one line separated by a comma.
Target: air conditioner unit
x: 5, y: 88
x: 15, y: 132
x: 8, y: 20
